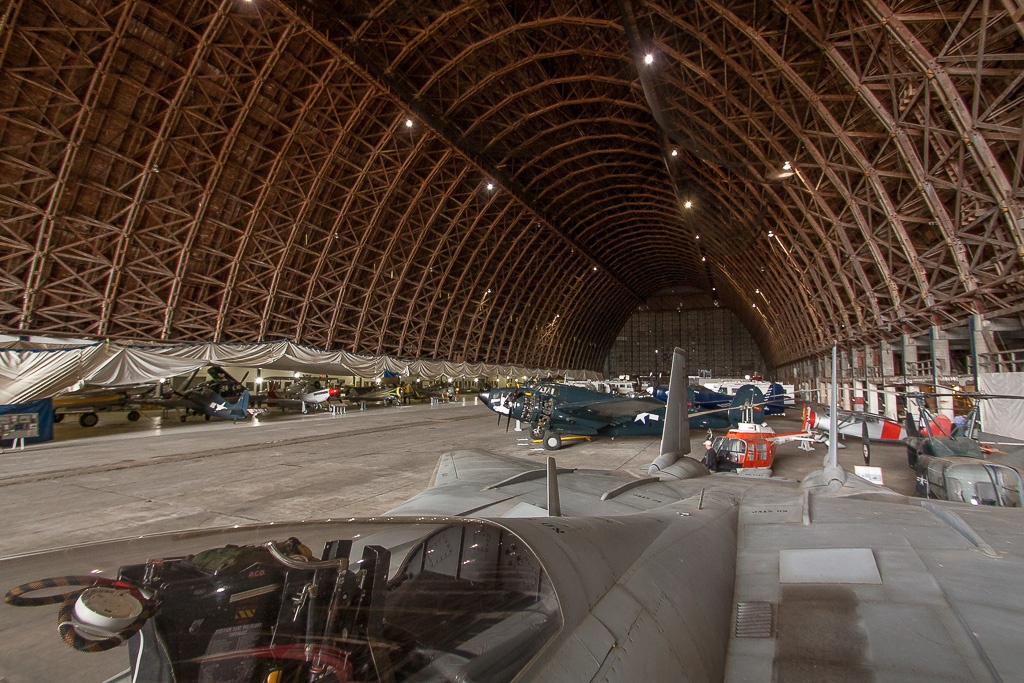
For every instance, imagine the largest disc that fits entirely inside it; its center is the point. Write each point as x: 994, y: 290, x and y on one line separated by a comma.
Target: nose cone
x: 495, y: 399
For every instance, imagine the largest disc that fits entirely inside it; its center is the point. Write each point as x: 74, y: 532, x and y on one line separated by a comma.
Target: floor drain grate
x: 753, y: 619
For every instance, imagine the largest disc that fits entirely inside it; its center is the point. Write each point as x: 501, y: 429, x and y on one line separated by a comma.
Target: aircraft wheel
x: 183, y: 417
x: 58, y: 417
x: 207, y: 417
x: 537, y: 433
x: 552, y: 442
x: 134, y: 415
x: 88, y: 419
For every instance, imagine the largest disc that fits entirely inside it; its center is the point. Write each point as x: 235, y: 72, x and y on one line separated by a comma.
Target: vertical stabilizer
x: 675, y: 435
x: 831, y: 475
x: 675, y: 438
x: 832, y: 457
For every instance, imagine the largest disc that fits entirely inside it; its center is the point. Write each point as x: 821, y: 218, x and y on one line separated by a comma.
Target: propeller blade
x: 865, y: 443
x: 185, y: 386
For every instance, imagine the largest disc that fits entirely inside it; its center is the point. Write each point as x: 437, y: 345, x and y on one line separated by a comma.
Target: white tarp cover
x: 1002, y: 416
x: 28, y: 374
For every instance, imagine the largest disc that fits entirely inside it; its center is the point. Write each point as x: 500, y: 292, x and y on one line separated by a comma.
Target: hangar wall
x: 714, y: 340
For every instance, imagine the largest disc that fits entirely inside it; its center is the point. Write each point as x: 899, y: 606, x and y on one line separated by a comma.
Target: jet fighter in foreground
x: 504, y: 571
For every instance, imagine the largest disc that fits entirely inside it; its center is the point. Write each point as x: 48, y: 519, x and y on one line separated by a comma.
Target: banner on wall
x: 32, y: 421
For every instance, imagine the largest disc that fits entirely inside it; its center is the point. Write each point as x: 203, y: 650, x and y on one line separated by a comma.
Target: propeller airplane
x: 504, y: 571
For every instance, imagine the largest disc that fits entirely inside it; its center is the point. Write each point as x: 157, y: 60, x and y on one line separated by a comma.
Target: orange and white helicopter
x: 750, y: 445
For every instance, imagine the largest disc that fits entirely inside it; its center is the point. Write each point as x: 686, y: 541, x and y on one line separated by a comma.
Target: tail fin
x: 832, y: 457
x: 775, y: 399
x: 831, y: 475
x: 239, y: 410
x: 747, y: 406
x: 675, y: 435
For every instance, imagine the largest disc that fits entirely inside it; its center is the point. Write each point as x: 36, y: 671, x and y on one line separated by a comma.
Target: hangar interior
x: 491, y: 189
x: 511, y: 182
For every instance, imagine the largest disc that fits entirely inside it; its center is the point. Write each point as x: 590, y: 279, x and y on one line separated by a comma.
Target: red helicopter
x: 750, y: 446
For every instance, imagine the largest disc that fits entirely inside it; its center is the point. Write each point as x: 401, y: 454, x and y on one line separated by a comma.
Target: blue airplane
x: 557, y: 411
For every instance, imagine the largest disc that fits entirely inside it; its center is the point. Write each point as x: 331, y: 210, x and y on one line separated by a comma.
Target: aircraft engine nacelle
x: 813, y: 420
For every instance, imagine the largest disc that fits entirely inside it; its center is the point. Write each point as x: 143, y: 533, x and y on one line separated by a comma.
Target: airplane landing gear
x: 537, y: 433
x: 88, y: 419
x: 134, y: 415
x: 552, y: 441
x: 183, y: 417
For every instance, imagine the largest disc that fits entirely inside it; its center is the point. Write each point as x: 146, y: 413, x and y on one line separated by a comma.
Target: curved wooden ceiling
x: 507, y: 181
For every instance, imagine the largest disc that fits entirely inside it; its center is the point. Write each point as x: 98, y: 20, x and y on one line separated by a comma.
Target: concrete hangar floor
x: 124, y: 479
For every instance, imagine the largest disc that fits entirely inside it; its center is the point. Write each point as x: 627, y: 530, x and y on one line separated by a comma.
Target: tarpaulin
x: 1002, y: 416
x: 28, y: 374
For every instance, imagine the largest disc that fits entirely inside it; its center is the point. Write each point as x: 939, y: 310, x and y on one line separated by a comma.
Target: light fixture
x: 649, y: 58
x: 702, y: 259
x: 675, y: 152
x: 771, y: 233
x: 688, y: 204
x: 408, y: 123
x: 787, y: 166
x: 698, y: 236
x: 490, y: 186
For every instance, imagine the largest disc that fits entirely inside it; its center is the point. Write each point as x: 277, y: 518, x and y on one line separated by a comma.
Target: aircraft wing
x: 172, y: 402
x: 877, y: 589
x: 795, y: 583
x: 613, y: 411
x: 283, y: 402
